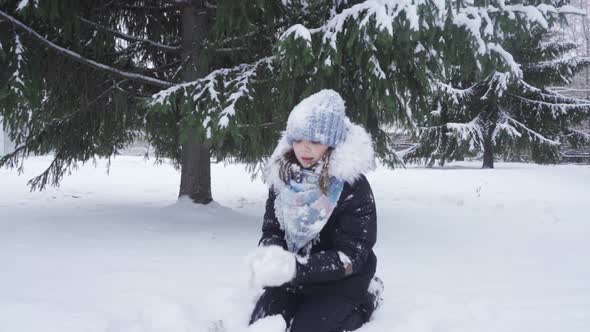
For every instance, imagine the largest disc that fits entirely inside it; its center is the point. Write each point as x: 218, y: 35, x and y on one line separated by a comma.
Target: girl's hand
x: 271, y: 266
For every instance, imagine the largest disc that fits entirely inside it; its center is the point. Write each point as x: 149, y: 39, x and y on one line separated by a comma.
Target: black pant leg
x: 274, y: 301
x: 327, y: 314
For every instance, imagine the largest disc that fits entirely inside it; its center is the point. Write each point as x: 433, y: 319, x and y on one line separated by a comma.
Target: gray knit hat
x: 318, y: 118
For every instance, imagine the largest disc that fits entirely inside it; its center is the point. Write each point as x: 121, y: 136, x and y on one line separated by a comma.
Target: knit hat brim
x: 318, y: 118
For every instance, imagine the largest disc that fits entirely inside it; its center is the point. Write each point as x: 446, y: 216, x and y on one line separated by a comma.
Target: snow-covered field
x: 460, y: 250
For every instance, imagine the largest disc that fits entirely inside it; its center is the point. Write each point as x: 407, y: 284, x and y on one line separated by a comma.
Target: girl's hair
x: 287, y: 171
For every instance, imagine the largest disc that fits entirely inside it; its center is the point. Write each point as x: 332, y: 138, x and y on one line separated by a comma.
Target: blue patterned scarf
x: 303, y: 209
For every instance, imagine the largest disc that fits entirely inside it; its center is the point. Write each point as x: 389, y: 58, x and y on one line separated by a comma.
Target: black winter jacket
x: 351, y: 230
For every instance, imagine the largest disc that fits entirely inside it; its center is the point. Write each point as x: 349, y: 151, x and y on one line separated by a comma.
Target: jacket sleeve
x: 353, y: 240
x: 272, y: 233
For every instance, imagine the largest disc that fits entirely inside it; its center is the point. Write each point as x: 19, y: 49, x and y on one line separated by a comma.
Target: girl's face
x: 309, y: 153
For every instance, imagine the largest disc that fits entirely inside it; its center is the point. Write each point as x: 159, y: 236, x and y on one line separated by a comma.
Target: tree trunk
x: 488, y: 121
x: 488, y: 142
x: 488, y: 153
x: 195, y: 180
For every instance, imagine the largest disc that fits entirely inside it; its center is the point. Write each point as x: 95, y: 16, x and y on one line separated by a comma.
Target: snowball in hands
x: 271, y: 266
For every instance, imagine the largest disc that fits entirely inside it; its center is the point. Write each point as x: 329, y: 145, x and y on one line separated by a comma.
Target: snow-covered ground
x: 460, y: 249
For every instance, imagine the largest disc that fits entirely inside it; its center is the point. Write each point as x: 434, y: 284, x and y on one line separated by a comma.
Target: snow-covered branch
x: 377, y: 71
x: 556, y: 97
x: 470, y: 131
x: 531, y: 132
x: 507, y: 57
x: 507, y: 128
x: 498, y: 82
x: 553, y: 106
x: 470, y: 19
x: 231, y: 49
x: 298, y: 31
x: 557, y: 44
x: 570, y: 61
x: 78, y: 58
x: 179, y: 2
x: 456, y: 95
x: 407, y: 151
x: 528, y: 87
x: 568, y: 9
x: 25, y: 3
x: 17, y: 75
x: 121, y: 5
x: 532, y: 13
x: 478, y: 22
x: 585, y: 134
x: 383, y: 12
x: 128, y: 37
x: 503, y: 125
x: 559, y: 89
x: 552, y: 95
x: 236, y: 79
x: 161, y: 68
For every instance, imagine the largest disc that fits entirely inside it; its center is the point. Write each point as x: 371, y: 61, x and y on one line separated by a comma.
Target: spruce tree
x: 217, y: 78
x: 515, y: 116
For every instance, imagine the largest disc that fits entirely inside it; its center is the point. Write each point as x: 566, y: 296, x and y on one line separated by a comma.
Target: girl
x: 315, y: 257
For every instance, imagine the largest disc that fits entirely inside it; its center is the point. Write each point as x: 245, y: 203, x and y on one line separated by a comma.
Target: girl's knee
x: 327, y: 315
x: 274, y: 301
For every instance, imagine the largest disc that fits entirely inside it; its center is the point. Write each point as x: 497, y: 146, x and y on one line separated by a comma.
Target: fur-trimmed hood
x: 351, y: 158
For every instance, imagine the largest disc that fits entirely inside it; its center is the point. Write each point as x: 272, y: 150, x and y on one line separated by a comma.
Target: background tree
x: 80, y: 71
x: 513, y: 115
x: 217, y: 79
